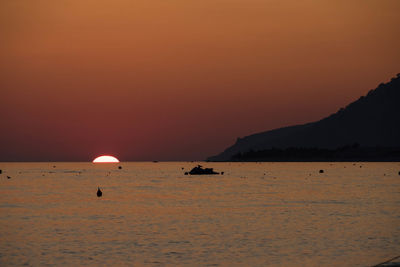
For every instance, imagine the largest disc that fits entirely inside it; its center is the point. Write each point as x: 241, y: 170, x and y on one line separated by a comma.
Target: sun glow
x: 105, y: 159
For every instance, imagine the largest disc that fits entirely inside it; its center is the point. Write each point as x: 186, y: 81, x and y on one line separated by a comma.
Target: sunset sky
x: 180, y: 79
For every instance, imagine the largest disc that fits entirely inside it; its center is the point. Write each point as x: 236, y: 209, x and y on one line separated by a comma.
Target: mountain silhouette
x: 371, y: 121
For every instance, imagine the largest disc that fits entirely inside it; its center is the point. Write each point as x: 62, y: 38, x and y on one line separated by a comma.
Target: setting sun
x: 105, y: 159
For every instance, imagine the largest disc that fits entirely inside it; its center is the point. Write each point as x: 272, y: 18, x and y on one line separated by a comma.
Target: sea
x: 152, y: 214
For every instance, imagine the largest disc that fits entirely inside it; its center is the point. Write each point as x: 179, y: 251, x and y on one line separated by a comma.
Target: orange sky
x: 180, y: 80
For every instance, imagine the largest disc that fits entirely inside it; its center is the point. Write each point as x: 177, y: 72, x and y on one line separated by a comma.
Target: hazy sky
x: 180, y: 79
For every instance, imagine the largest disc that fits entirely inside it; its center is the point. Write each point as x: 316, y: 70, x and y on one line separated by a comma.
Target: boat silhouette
x: 198, y: 170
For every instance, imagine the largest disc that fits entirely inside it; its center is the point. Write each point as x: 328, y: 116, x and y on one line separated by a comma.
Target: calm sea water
x: 151, y: 214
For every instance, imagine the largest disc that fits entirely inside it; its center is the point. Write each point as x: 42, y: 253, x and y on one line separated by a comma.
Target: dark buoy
x: 399, y: 173
x: 1, y: 171
x: 222, y: 173
x: 186, y: 173
x: 321, y: 171
x: 8, y: 177
x: 119, y: 167
x: 99, y: 193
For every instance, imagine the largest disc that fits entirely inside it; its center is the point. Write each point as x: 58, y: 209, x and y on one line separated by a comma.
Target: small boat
x: 200, y: 171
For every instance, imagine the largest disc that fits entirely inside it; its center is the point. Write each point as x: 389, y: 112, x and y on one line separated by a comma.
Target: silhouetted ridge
x: 371, y: 121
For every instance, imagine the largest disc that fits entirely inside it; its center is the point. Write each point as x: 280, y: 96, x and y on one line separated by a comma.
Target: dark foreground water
x: 151, y: 214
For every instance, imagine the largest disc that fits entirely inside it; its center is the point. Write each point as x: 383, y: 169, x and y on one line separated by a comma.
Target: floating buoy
x: 321, y: 171
x: 222, y: 173
x: 119, y: 167
x: 8, y: 177
x: 99, y: 193
x: 186, y: 173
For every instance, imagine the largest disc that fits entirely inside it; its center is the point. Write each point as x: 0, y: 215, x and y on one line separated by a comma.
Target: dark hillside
x: 371, y: 121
